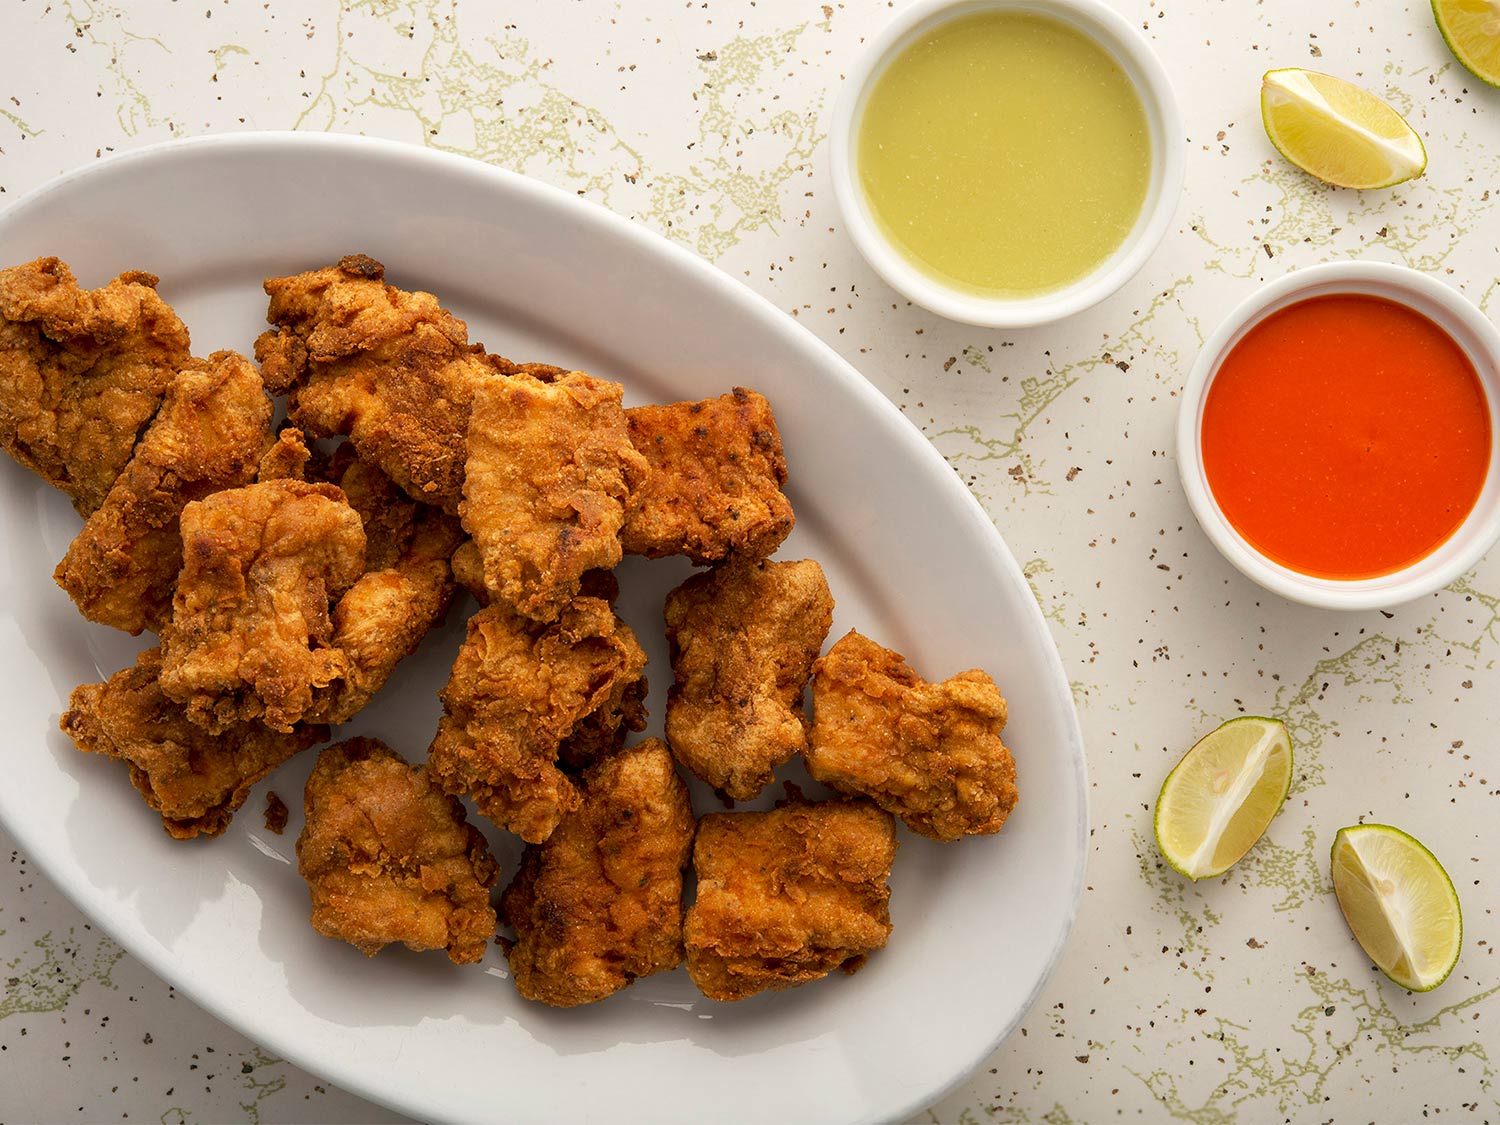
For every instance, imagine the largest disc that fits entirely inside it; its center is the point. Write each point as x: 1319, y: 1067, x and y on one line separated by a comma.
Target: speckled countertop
x: 1242, y: 999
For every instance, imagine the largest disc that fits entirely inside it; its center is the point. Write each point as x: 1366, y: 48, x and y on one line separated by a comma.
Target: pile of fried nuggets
x: 285, y: 583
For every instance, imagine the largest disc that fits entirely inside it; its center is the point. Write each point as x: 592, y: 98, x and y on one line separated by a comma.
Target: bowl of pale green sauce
x: 1007, y: 162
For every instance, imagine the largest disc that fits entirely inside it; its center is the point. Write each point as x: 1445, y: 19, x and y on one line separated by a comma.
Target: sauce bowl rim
x: 1146, y: 74
x: 1452, y: 312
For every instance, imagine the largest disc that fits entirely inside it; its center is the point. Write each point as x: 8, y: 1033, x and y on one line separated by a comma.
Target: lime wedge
x: 1337, y: 131
x: 1399, y: 902
x: 1472, y: 31
x: 1221, y: 797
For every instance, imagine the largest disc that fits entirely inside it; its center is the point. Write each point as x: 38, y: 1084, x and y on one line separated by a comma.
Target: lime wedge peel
x: 1471, y: 28
x: 1220, y: 799
x: 1338, y: 132
x: 1399, y: 903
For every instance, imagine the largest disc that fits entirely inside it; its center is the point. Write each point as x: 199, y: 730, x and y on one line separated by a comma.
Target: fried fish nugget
x: 209, y: 434
x: 389, y: 857
x: 195, y: 780
x: 743, y: 640
x: 717, y: 472
x: 787, y: 896
x: 600, y: 903
x: 251, y: 635
x: 392, y: 369
x: 930, y: 753
x: 517, y: 690
x: 82, y: 372
x: 550, y: 468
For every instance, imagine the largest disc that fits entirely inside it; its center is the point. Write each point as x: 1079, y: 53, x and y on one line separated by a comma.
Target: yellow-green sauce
x: 1005, y: 153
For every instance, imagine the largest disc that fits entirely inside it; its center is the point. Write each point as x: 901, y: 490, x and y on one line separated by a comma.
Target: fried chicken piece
x: 389, y: 857
x: 549, y: 470
x: 82, y: 372
x: 392, y: 369
x: 195, y: 780
x: 405, y: 591
x: 600, y: 903
x: 213, y: 424
x: 517, y: 691
x: 787, y: 896
x: 286, y: 458
x: 385, y: 616
x: 743, y: 639
x: 604, y: 729
x: 717, y: 472
x: 251, y: 635
x: 930, y: 753
x: 347, y: 652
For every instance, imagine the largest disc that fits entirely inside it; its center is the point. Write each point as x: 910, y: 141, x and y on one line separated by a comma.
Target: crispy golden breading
x: 930, y: 753
x: 787, y: 896
x: 405, y: 591
x: 624, y: 710
x: 251, y: 635
x: 348, y: 652
x: 392, y: 369
x: 384, y: 616
x: 549, y: 470
x: 717, y: 472
x: 215, y: 421
x: 391, y: 518
x: 194, y: 779
x: 468, y: 571
x: 517, y: 690
x: 603, y: 730
x: 743, y: 637
x: 389, y: 857
x: 286, y: 458
x: 600, y: 903
x: 82, y: 372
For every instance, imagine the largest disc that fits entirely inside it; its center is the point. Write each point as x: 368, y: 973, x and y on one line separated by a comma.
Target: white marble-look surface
x: 1241, y: 999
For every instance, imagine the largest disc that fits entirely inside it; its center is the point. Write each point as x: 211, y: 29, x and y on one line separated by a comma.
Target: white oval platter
x: 911, y: 557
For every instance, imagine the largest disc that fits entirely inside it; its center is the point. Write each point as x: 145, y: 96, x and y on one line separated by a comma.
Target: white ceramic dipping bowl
x: 1134, y: 56
x: 1445, y: 307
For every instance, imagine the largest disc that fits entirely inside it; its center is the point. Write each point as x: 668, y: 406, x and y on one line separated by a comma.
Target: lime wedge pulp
x: 1399, y: 902
x: 1471, y: 28
x: 1221, y: 797
x: 1337, y: 131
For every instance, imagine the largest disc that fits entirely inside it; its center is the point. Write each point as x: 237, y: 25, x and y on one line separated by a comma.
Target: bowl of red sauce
x: 1337, y: 437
